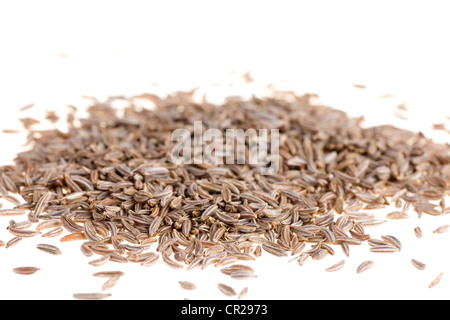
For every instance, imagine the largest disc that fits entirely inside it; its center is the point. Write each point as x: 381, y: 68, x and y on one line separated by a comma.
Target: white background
x: 52, y: 52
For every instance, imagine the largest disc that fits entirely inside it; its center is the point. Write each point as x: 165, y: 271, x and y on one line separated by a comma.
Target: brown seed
x: 418, y: 232
x: 53, y: 233
x: 303, y: 258
x: 336, y: 267
x: 108, y: 274
x: 70, y: 225
x: 100, y: 261
x: 393, y: 241
x: 42, y: 204
x: 366, y: 265
x: 107, y: 179
x: 187, y: 285
x: 49, y: 249
x: 274, y: 249
x: 225, y: 261
x: 436, y: 281
x: 371, y: 223
x: 243, y: 293
x: 116, y: 257
x: 319, y: 254
x: 439, y: 126
x: 111, y: 282
x: 171, y: 263
x: 73, y: 237
x: 12, y: 212
x: 13, y: 242
x: 9, y: 184
x: 384, y: 249
x: 377, y: 242
x: 151, y: 260
x: 236, y: 268
x: 226, y: 290
x: 442, y: 229
x: 20, y: 225
x: 396, y: 215
x: 23, y: 233
x: 27, y: 107
x: 345, y: 249
x: 242, y: 275
x: 91, y: 296
x: 419, y: 265
x: 26, y: 270
x: 11, y: 199
x: 154, y: 226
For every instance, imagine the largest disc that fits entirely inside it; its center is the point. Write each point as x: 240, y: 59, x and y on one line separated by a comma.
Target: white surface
x: 51, y: 52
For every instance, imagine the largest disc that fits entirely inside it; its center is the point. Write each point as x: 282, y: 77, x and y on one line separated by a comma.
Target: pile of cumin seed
x: 109, y: 181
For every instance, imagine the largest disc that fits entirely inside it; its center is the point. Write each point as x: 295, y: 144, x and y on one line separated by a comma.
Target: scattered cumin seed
x: 187, y: 285
x: 237, y: 268
x: 26, y: 270
x: 226, y: 290
x: 436, y: 281
x: 396, y: 215
x: 243, y: 293
x: 242, y: 275
x: 108, y: 274
x: 393, y: 241
x: 336, y: 267
x: 418, y: 232
x: 100, y: 261
x: 419, y: 265
x: 111, y: 282
x: 402, y: 107
x: 27, y: 107
x: 442, y: 229
x: 91, y: 296
x: 384, y: 249
x: 49, y: 249
x: 366, y: 265
x: 14, y: 241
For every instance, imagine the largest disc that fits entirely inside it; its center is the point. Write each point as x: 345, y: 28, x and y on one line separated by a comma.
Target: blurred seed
x: 436, y: 281
x: 336, y: 267
x: 108, y: 274
x: 442, y: 229
x: 187, y: 285
x: 242, y: 275
x: 111, y: 282
x: 419, y: 265
x: 91, y: 296
x: 226, y: 290
x: 418, y: 232
x: 26, y: 270
x: 243, y: 293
